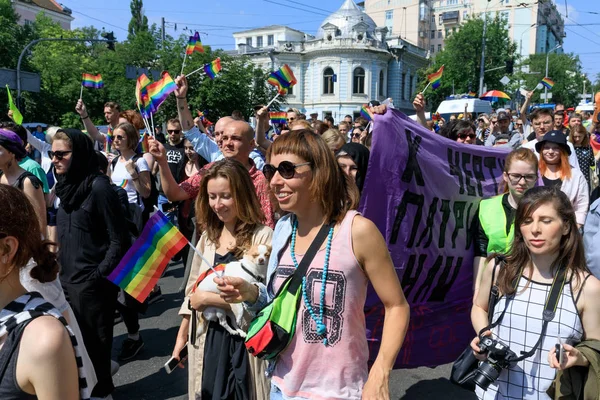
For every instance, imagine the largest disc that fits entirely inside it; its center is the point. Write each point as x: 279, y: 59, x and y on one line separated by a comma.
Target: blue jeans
x: 171, y: 215
x: 275, y: 393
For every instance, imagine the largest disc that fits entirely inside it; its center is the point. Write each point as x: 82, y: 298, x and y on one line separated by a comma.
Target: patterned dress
x: 585, y: 157
x: 520, y: 329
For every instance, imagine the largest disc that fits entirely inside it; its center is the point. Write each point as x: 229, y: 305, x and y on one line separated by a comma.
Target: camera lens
x: 486, y: 374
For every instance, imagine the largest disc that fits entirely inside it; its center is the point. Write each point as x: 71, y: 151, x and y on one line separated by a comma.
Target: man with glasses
x: 292, y: 116
x: 542, y: 120
x: 501, y: 135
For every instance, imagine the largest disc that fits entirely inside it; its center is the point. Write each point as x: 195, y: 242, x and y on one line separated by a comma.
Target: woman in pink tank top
x: 327, y: 357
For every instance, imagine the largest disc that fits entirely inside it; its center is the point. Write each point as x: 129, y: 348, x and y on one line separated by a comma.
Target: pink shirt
x: 307, y: 369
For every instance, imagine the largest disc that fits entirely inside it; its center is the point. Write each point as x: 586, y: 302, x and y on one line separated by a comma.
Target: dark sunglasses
x: 175, y: 131
x: 290, y: 119
x: 58, y: 154
x: 356, y: 135
x: 286, y: 169
x: 463, y: 136
x: 118, y: 137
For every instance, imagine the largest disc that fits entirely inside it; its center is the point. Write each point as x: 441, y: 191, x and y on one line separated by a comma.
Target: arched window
x: 381, y: 83
x: 358, y: 86
x: 328, y: 79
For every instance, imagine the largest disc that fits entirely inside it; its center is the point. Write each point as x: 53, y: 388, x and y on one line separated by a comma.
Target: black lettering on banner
x: 443, y: 286
x: 490, y: 163
x: 478, y: 172
x: 445, y: 209
x: 429, y: 224
x: 412, y: 165
x: 408, y: 198
x: 459, y: 213
x: 470, y: 228
x: 428, y: 282
x: 332, y: 313
x: 455, y: 169
x: 466, y: 159
x: 410, y: 279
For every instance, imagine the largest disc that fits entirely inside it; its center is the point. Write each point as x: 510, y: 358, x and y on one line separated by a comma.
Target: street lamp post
x: 547, y: 56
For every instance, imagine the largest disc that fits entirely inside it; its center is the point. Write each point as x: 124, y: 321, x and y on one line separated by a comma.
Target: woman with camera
x: 544, y: 269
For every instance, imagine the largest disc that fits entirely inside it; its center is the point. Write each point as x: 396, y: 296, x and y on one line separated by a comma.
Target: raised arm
x: 262, y: 122
x: 525, y: 105
x: 419, y: 106
x: 38, y: 144
x: 185, y: 116
x: 168, y: 183
x: 87, y: 122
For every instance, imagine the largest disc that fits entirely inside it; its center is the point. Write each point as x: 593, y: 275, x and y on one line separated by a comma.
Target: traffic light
x: 110, y: 40
x: 510, y: 64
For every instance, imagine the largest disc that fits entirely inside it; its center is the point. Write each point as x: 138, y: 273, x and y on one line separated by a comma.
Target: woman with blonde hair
x: 229, y: 214
x: 333, y: 139
x: 319, y: 198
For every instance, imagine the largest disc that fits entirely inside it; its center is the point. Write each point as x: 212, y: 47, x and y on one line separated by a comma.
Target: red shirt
x: 192, y: 188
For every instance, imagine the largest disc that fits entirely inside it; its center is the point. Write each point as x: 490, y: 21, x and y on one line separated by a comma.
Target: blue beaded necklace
x: 321, y: 327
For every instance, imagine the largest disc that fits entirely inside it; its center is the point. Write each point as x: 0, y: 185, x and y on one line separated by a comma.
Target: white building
x: 349, y: 62
x: 29, y: 9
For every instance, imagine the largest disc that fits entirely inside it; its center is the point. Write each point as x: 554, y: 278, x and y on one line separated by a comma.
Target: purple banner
x: 422, y: 191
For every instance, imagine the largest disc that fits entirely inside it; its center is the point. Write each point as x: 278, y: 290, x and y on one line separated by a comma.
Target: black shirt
x: 93, y: 238
x: 552, y: 182
x: 481, y: 239
x: 176, y: 158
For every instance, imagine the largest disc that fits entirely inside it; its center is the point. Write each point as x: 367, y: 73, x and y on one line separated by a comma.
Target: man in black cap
x: 502, y: 136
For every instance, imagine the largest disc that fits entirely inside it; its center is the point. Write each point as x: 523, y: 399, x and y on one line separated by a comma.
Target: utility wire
x: 316, y: 8
x: 297, y: 8
x: 99, y: 20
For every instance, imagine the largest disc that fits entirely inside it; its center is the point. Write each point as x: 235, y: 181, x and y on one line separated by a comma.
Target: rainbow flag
x: 124, y: 183
x: 194, y: 44
x: 282, y: 79
x: 547, y: 82
x: 435, y: 79
x: 278, y: 117
x: 472, y: 95
x: 141, y: 267
x: 364, y: 112
x: 140, y: 89
x: 203, y: 118
x: 436, y: 117
x: 213, y: 68
x: 159, y: 91
x: 109, y: 140
x: 143, y: 146
x: 92, y: 81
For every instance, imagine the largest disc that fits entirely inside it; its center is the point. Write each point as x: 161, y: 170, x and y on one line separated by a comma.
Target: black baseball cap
x: 554, y: 137
x: 503, y: 115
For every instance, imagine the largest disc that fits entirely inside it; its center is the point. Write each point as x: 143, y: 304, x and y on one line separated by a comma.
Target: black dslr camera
x: 499, y: 357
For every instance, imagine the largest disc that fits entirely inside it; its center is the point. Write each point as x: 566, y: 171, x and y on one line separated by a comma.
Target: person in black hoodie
x: 353, y: 158
x: 93, y: 238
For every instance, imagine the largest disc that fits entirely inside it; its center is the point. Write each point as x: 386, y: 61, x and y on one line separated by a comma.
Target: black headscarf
x: 360, y: 156
x: 73, y: 187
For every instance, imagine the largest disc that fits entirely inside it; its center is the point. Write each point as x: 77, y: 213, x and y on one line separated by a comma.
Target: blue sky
x: 217, y: 20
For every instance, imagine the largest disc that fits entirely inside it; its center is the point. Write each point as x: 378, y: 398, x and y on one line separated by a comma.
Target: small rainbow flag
x: 436, y: 117
x: 143, y: 264
x: 547, y: 82
x: 143, y: 146
x: 278, y: 117
x: 472, y: 95
x: 92, y: 81
x: 124, y: 183
x: 436, y: 78
x: 159, y: 91
x: 194, y: 44
x: 364, y: 112
x: 203, y: 118
x: 109, y: 140
x: 282, y: 79
x: 140, y: 89
x: 213, y: 68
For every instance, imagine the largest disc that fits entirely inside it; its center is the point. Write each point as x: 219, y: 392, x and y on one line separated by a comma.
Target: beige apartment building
x: 535, y: 25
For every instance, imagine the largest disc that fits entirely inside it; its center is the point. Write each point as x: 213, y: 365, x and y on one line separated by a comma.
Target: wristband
x: 181, y: 97
x: 86, y: 117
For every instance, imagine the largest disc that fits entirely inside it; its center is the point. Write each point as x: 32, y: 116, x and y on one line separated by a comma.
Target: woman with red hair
x: 556, y: 171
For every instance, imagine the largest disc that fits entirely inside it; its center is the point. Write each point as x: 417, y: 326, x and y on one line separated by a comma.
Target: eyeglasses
x: 58, y: 154
x: 174, y: 131
x: 545, y: 123
x: 118, y: 137
x: 356, y: 135
x: 286, y: 169
x: 463, y: 136
x: 516, y: 178
x: 519, y: 124
x: 290, y: 119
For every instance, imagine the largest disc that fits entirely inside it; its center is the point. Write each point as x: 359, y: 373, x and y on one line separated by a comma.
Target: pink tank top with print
x: 307, y: 369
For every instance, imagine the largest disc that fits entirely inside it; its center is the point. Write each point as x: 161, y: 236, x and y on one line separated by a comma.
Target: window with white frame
x: 358, y: 84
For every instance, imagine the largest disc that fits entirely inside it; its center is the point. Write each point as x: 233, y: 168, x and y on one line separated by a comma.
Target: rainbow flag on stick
x: 278, y: 117
x: 194, y: 44
x: 213, y: 68
x: 139, y: 271
x: 92, y: 81
x: 364, y: 112
x: 472, y: 95
x: 159, y: 91
x: 435, y: 79
x: 282, y: 79
x: 547, y: 82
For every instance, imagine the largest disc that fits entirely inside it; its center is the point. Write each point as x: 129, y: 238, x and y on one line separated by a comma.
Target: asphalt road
x: 145, y: 379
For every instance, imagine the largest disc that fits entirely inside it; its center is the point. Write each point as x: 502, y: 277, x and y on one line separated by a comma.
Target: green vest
x: 493, y: 221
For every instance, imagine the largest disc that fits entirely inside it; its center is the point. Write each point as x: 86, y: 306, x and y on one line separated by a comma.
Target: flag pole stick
x: 274, y: 98
x: 194, y: 71
x: 146, y: 124
x: 152, y: 120
x: 183, y: 65
x: 423, y: 91
x: 81, y: 92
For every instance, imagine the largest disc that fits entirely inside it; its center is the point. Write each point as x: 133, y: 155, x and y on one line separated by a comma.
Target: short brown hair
x: 302, y: 123
x: 113, y: 106
x: 134, y: 118
x: 243, y: 193
x: 539, y: 112
x: 132, y: 134
x: 333, y: 190
x: 174, y: 121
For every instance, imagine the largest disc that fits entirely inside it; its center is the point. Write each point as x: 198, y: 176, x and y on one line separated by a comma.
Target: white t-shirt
x: 122, y: 178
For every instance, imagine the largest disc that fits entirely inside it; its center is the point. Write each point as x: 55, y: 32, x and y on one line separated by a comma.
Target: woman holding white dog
x: 328, y: 354
x: 229, y: 214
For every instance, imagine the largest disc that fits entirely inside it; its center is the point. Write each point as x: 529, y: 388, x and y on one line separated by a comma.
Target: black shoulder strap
x: 308, y: 257
x: 581, y: 288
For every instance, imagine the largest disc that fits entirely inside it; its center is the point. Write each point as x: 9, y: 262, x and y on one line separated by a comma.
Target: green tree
x: 461, y: 58
x: 139, y: 22
x: 13, y: 37
x: 564, y: 69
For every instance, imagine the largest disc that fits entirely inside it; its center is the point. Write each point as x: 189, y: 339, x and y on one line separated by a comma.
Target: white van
x: 474, y: 106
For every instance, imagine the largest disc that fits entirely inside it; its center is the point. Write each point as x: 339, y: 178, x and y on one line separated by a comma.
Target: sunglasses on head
x: 286, y: 169
x: 59, y: 154
x: 175, y: 131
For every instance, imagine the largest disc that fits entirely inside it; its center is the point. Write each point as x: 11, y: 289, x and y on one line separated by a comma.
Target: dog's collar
x: 252, y: 274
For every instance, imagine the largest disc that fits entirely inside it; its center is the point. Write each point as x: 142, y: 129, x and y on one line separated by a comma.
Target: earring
x: 5, y: 260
